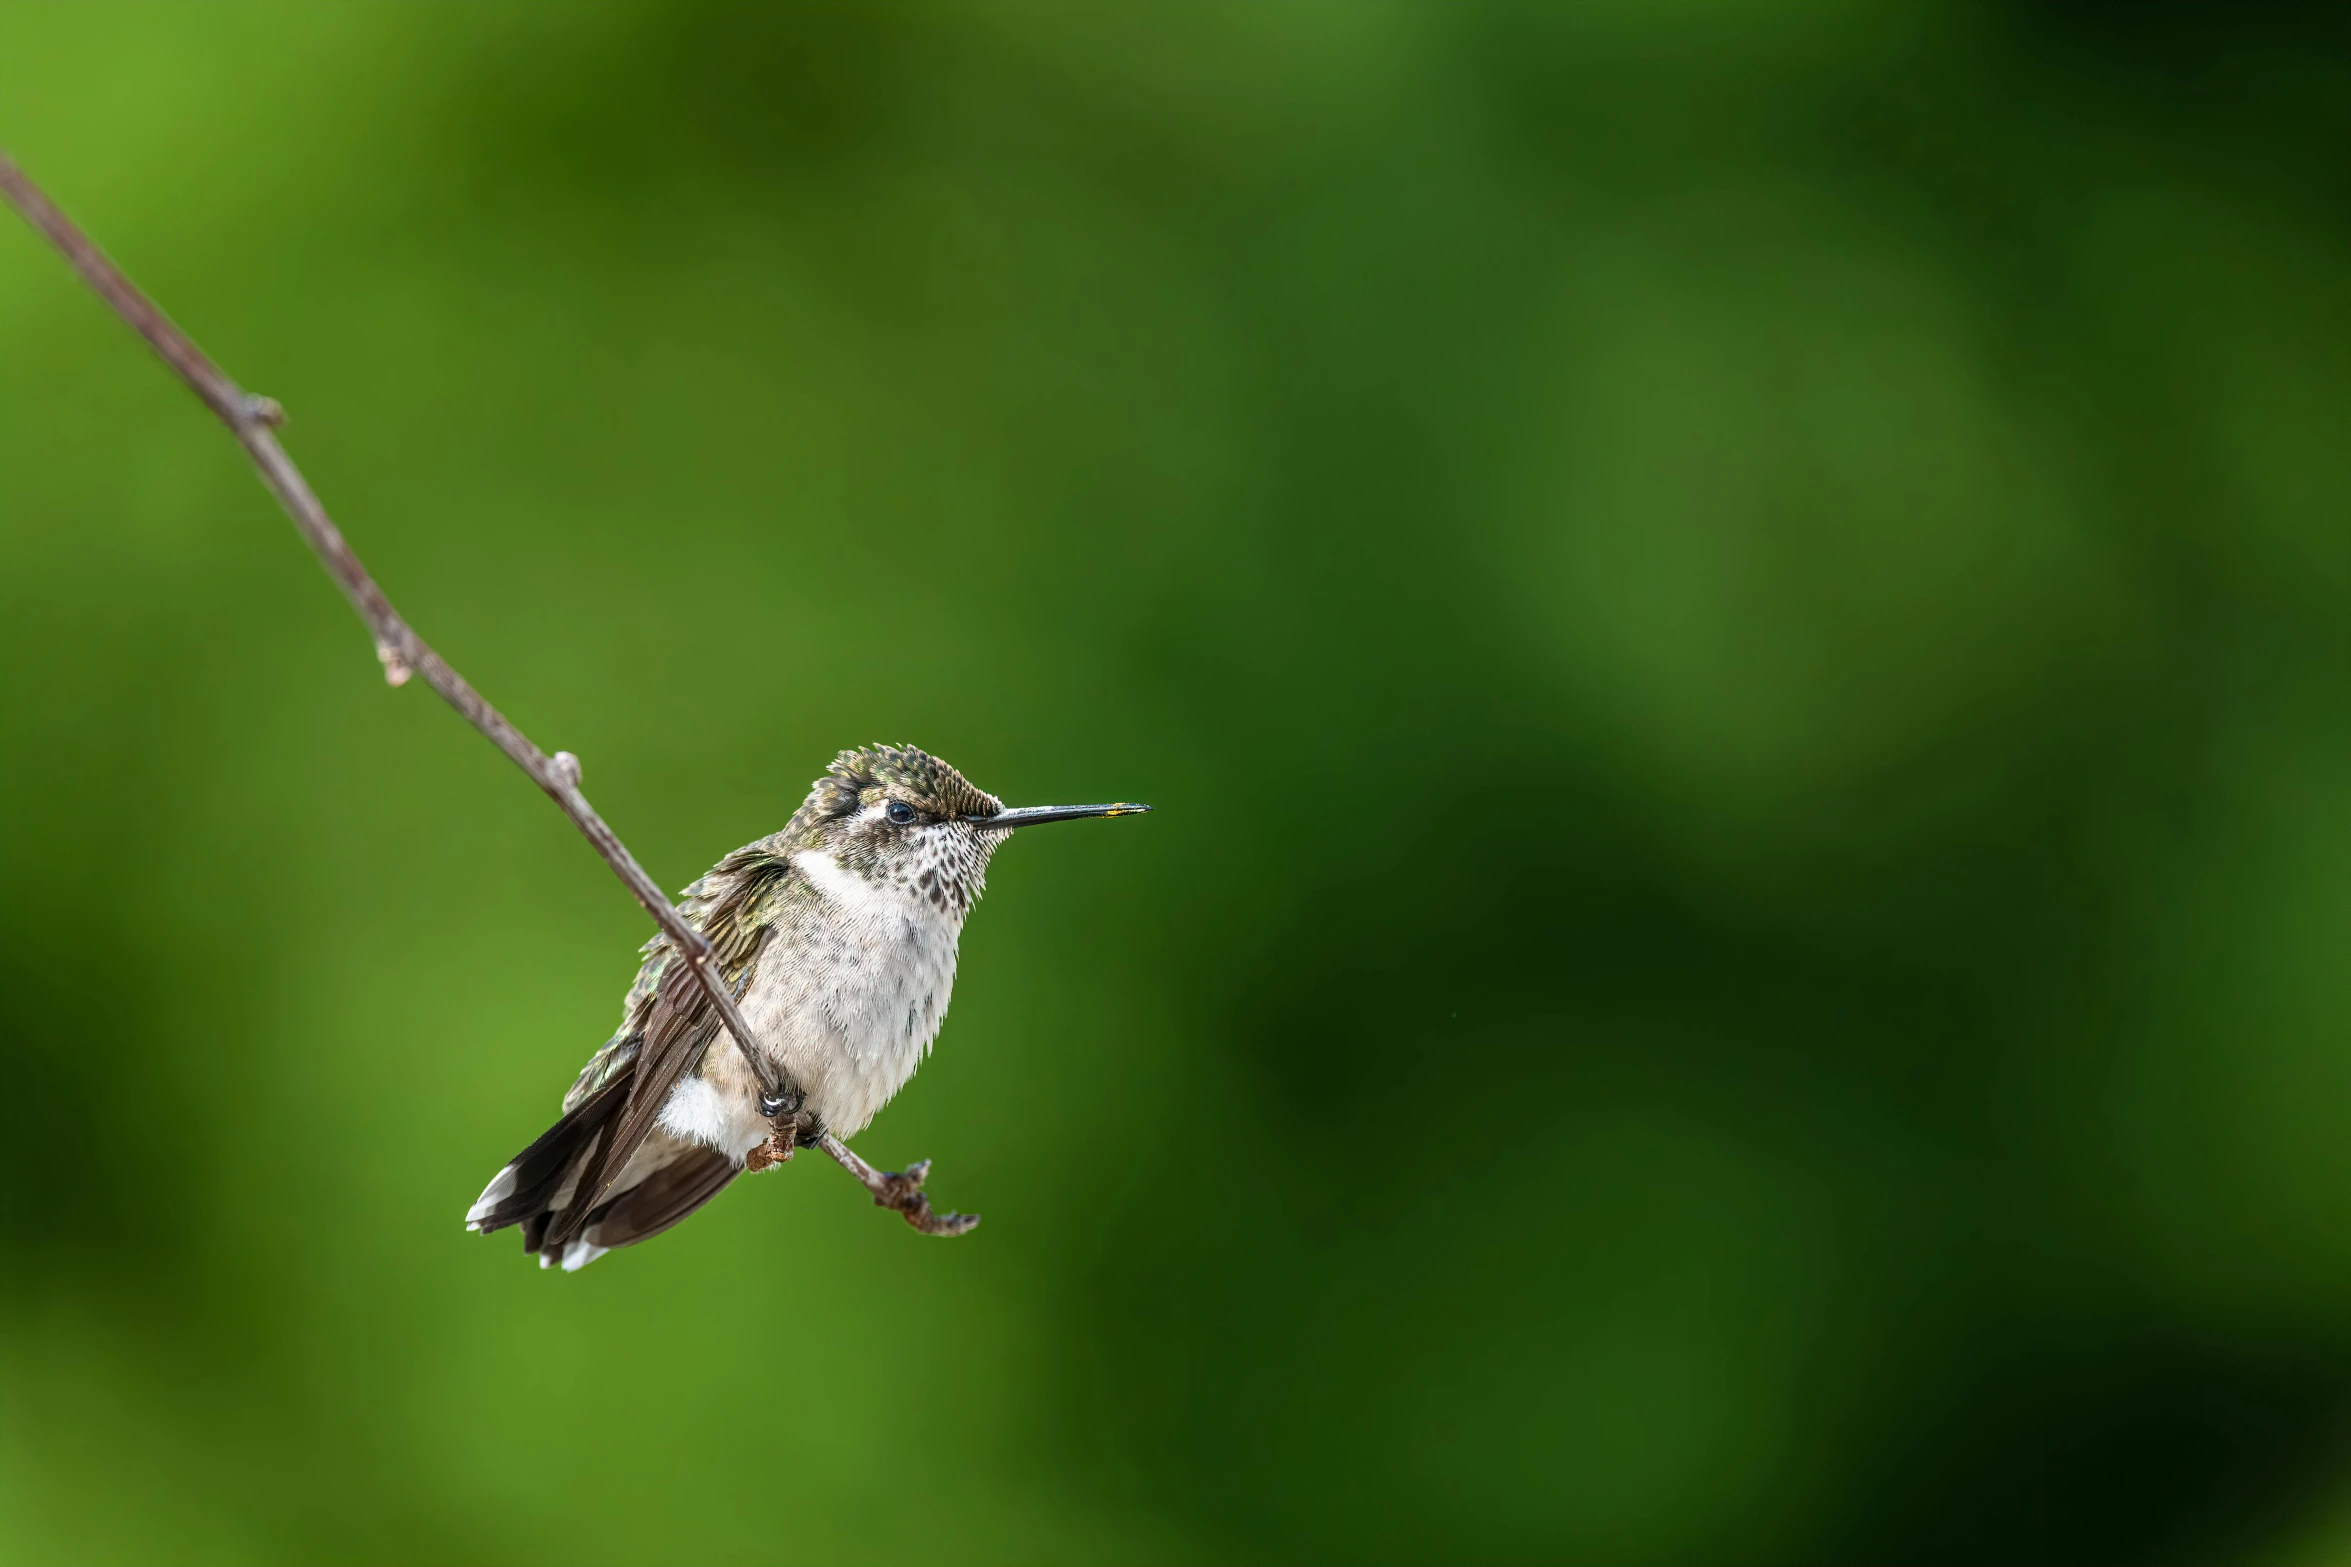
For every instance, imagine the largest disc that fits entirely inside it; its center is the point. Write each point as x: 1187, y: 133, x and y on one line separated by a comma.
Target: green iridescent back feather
x: 731, y: 906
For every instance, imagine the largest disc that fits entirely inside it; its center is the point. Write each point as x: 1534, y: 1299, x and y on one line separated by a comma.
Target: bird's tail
x: 665, y: 1179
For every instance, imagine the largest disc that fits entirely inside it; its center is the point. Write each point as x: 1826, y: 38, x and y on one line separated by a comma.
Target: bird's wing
x: 676, y: 1022
x: 662, y: 1199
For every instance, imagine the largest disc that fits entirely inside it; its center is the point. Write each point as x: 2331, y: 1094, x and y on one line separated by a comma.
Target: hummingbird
x: 837, y: 937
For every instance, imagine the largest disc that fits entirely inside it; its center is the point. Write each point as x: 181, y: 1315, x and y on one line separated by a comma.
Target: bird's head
x: 900, y: 816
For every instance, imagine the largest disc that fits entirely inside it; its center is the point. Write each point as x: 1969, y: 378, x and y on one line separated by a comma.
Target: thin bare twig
x: 902, y: 1192
x: 398, y: 647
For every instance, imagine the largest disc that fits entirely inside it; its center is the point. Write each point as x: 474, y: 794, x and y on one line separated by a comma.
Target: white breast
x: 855, y: 1002
x: 850, y: 995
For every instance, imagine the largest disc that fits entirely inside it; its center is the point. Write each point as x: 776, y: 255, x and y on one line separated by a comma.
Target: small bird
x: 837, y: 938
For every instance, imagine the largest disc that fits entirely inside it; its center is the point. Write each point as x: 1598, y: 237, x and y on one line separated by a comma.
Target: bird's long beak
x: 1031, y: 815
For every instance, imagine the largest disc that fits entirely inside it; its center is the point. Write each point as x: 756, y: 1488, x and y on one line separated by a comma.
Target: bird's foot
x: 901, y: 1191
x: 785, y: 1133
x: 776, y: 1150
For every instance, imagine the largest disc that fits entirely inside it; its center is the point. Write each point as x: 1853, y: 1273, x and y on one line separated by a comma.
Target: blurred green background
x: 1739, y: 617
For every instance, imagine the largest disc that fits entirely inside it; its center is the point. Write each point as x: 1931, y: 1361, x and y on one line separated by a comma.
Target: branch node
x: 899, y: 1191
x: 398, y: 648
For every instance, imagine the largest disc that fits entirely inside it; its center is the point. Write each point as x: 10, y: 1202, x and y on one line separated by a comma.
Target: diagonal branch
x: 400, y: 649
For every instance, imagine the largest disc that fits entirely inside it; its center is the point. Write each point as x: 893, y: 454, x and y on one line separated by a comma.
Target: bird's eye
x: 900, y: 813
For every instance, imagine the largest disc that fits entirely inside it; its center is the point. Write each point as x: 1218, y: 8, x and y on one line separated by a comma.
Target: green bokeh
x: 1739, y: 617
